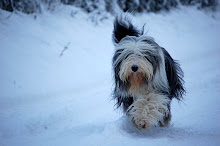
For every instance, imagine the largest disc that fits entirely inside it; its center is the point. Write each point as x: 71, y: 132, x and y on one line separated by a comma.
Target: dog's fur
x: 146, y: 76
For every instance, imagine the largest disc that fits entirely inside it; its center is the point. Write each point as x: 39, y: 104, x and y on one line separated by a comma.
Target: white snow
x: 49, y: 99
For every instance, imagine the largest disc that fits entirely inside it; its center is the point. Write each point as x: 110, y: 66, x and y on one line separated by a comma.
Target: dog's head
x: 136, y: 56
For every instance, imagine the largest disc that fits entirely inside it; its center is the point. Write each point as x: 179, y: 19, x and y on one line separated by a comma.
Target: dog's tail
x: 123, y: 27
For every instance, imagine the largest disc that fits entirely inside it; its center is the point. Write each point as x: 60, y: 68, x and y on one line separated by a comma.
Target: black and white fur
x: 146, y: 76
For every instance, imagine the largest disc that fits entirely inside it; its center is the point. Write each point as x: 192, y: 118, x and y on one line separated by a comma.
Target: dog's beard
x: 136, y: 80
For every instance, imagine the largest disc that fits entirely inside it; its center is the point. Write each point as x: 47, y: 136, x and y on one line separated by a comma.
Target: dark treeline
x: 112, y: 6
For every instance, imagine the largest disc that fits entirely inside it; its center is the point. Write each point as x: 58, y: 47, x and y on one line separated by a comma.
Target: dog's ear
x: 122, y: 28
x: 174, y: 76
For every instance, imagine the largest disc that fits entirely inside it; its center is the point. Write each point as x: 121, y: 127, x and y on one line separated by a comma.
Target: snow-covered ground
x: 56, y: 79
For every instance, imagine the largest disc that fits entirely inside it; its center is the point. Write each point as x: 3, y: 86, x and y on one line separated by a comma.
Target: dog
x: 146, y: 77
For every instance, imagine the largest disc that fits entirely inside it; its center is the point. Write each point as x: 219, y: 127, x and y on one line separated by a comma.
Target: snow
x: 49, y: 99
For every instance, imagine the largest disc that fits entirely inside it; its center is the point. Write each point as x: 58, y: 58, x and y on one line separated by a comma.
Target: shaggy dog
x: 146, y: 77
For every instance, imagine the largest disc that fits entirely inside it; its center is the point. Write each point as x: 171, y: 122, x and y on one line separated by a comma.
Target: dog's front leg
x: 148, y: 110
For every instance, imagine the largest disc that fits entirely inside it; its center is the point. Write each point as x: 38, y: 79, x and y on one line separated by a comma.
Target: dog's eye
x: 119, y: 51
x: 148, y: 59
x: 127, y: 55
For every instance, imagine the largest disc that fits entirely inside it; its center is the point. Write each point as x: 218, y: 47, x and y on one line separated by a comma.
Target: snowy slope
x: 51, y: 99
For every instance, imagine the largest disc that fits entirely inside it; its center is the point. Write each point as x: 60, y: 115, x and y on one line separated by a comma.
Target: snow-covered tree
x: 112, y: 6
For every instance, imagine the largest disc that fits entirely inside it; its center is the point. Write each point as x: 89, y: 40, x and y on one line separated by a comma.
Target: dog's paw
x: 146, y: 113
x: 140, y: 118
x: 141, y: 124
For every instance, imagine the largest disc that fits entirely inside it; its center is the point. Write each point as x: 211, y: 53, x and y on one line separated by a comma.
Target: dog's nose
x: 134, y: 68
